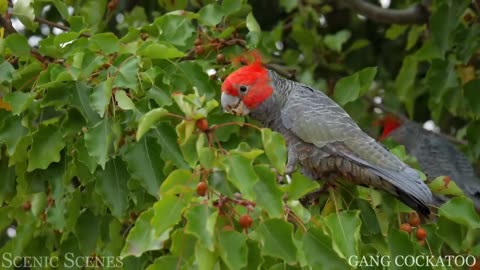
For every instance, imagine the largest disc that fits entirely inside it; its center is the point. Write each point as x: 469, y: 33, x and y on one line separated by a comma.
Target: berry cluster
x: 412, y: 225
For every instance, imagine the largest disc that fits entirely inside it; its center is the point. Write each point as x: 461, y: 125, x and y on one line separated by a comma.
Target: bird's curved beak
x: 234, y: 105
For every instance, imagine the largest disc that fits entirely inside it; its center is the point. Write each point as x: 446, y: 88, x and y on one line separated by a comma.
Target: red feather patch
x: 389, y: 123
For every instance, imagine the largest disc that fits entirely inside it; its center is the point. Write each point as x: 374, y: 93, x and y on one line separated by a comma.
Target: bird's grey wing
x: 317, y: 119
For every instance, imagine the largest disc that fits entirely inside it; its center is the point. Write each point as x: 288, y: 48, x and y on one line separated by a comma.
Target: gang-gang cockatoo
x: 321, y: 137
x: 435, y: 155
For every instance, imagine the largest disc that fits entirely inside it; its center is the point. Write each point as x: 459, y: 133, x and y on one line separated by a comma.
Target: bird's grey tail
x: 411, y: 190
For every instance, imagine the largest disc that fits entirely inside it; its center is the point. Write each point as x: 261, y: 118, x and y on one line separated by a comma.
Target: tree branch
x: 57, y: 25
x: 416, y: 14
x: 7, y: 25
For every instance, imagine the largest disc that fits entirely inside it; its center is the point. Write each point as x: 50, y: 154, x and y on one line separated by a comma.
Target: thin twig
x: 57, y: 25
x: 7, y: 24
x: 417, y: 14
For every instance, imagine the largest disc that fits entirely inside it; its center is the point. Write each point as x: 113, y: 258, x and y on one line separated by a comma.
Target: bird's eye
x: 243, y: 88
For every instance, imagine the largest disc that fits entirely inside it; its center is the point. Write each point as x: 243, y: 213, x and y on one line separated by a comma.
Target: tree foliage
x: 112, y: 141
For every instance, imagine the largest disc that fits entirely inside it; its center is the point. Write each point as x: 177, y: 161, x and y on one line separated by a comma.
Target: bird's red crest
x: 389, y: 124
x: 253, y: 75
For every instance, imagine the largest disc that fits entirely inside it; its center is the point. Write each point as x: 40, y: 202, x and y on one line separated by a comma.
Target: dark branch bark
x: 57, y: 25
x: 416, y: 14
x: 7, y: 25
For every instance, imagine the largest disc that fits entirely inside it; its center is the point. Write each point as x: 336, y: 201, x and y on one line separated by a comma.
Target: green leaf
x: 11, y: 132
x: 167, y: 138
x: 124, y: 102
x: 145, y: 165
x: 395, y: 31
x: 452, y: 233
x: 93, y: 12
x: 7, y: 72
x: 142, y: 237
x: 106, y: 43
x: 318, y: 250
x: 80, y: 101
x: 166, y: 262
x: 65, y: 38
x: 268, y: 195
x: 241, y: 174
x: 174, y: 29
x: 413, y: 35
x: 344, y: 229
x: 168, y: 212
x: 99, y: 141
x: 472, y: 94
x: 178, y: 181
x: 335, y: 41
x: 300, y: 186
x: 87, y: 231
x: 100, y: 98
x: 275, y: 149
x: 46, y: 147
x: 399, y: 244
x: 126, y: 71
x: 444, y: 20
x: 460, y: 210
x: 39, y: 203
x: 211, y: 14
x: 111, y: 185
x: 206, y: 155
x: 82, y: 155
x: 201, y: 221
x: 288, y: 5
x: 148, y: 120
x: 194, y: 75
x: 25, y: 13
x: 252, y: 24
x: 18, y: 45
x: 277, y: 240
x: 7, y: 184
x: 351, y: 87
x: 183, y: 244
x: 441, y: 185
x: 160, y: 51
x: 19, y: 101
x: 405, y: 81
x: 62, y: 8
x: 205, y: 259
x: 233, y: 249
x: 231, y: 6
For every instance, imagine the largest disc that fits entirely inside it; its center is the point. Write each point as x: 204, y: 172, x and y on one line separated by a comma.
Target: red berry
x: 421, y: 234
x: 220, y: 58
x: 197, y: 42
x: 414, y: 219
x: 202, y: 188
x: 245, y: 221
x: 406, y: 227
x: 27, y: 205
x: 202, y: 124
x: 199, y: 50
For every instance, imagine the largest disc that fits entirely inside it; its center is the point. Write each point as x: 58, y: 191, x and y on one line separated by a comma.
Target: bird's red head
x: 246, y: 88
x: 389, y: 124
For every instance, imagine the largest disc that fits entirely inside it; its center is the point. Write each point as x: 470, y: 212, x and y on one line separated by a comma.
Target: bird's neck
x: 268, y: 113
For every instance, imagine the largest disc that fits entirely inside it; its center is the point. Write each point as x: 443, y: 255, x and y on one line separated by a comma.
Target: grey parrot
x: 435, y: 154
x: 321, y: 137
